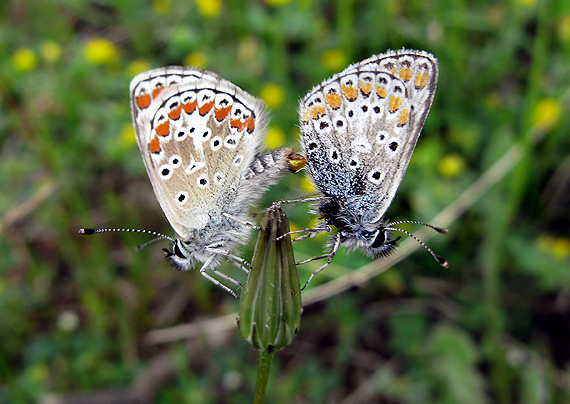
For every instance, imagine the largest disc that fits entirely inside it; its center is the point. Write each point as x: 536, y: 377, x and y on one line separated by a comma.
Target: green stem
x: 265, y: 359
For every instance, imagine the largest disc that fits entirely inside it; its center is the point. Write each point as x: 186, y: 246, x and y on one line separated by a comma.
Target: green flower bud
x: 270, y: 304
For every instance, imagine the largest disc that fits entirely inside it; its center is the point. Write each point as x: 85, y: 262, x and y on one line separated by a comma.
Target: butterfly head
x: 355, y: 232
x: 179, y: 256
x: 184, y: 255
x: 375, y: 243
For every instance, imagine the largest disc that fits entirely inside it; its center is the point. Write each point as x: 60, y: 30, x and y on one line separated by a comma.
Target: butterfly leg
x: 244, y: 222
x: 216, y: 282
x: 330, y: 256
x: 245, y: 265
x: 311, y: 233
x: 305, y: 200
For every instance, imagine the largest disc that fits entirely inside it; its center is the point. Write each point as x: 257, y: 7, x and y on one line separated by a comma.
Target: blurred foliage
x: 74, y: 311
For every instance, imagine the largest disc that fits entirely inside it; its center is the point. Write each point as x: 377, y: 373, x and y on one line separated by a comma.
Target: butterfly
x: 358, y: 132
x: 199, y: 136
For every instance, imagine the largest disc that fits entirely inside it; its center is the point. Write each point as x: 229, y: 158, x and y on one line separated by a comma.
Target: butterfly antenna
x: 159, y: 236
x: 438, y: 229
x: 442, y: 261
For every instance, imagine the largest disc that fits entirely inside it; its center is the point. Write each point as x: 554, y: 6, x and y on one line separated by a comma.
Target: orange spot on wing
x: 405, y: 73
x: 222, y: 113
x: 157, y: 91
x: 394, y: 103
x: 163, y: 129
x: 143, y: 101
x: 404, y: 117
x: 250, y: 122
x: 174, y: 114
x: 421, y: 79
x: 189, y: 107
x: 350, y: 92
x: 334, y: 100
x: 381, y: 91
x: 317, y: 110
x: 365, y: 87
x: 237, y: 123
x: 305, y: 116
x: 204, y: 109
x: 155, y: 145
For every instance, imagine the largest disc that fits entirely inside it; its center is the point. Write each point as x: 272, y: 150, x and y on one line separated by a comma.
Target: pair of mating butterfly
x: 199, y: 136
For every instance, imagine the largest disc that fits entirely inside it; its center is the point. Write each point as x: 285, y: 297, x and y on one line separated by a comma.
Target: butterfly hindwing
x: 360, y: 127
x: 197, y: 133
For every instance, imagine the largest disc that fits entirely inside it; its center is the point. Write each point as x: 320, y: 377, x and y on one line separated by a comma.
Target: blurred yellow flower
x: 209, y: 8
x: 273, y: 95
x: 308, y: 185
x: 100, y: 51
x: 138, y: 66
x: 275, y: 137
x: 561, y: 247
x: 127, y: 136
x: 527, y: 3
x: 161, y: 7
x: 334, y: 59
x: 50, y: 51
x: 564, y: 28
x: 198, y: 59
x: 546, y: 114
x: 451, y: 165
x: 277, y: 2
x: 557, y: 247
x: 24, y: 59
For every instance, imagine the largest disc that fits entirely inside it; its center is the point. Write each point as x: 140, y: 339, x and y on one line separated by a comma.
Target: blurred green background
x: 76, y: 312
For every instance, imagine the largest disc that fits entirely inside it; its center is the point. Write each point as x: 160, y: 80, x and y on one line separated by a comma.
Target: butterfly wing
x: 198, y: 134
x: 360, y: 127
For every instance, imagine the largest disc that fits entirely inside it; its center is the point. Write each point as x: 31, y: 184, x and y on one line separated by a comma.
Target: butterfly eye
x: 379, y: 240
x: 178, y: 252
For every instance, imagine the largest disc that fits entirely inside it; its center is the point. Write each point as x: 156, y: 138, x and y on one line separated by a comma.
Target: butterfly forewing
x: 360, y: 127
x: 197, y: 138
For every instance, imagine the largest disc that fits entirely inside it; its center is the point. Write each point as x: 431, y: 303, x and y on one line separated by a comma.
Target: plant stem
x: 263, y: 368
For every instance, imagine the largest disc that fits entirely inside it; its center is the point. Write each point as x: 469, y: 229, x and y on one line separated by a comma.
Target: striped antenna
x: 159, y: 236
x: 442, y: 261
